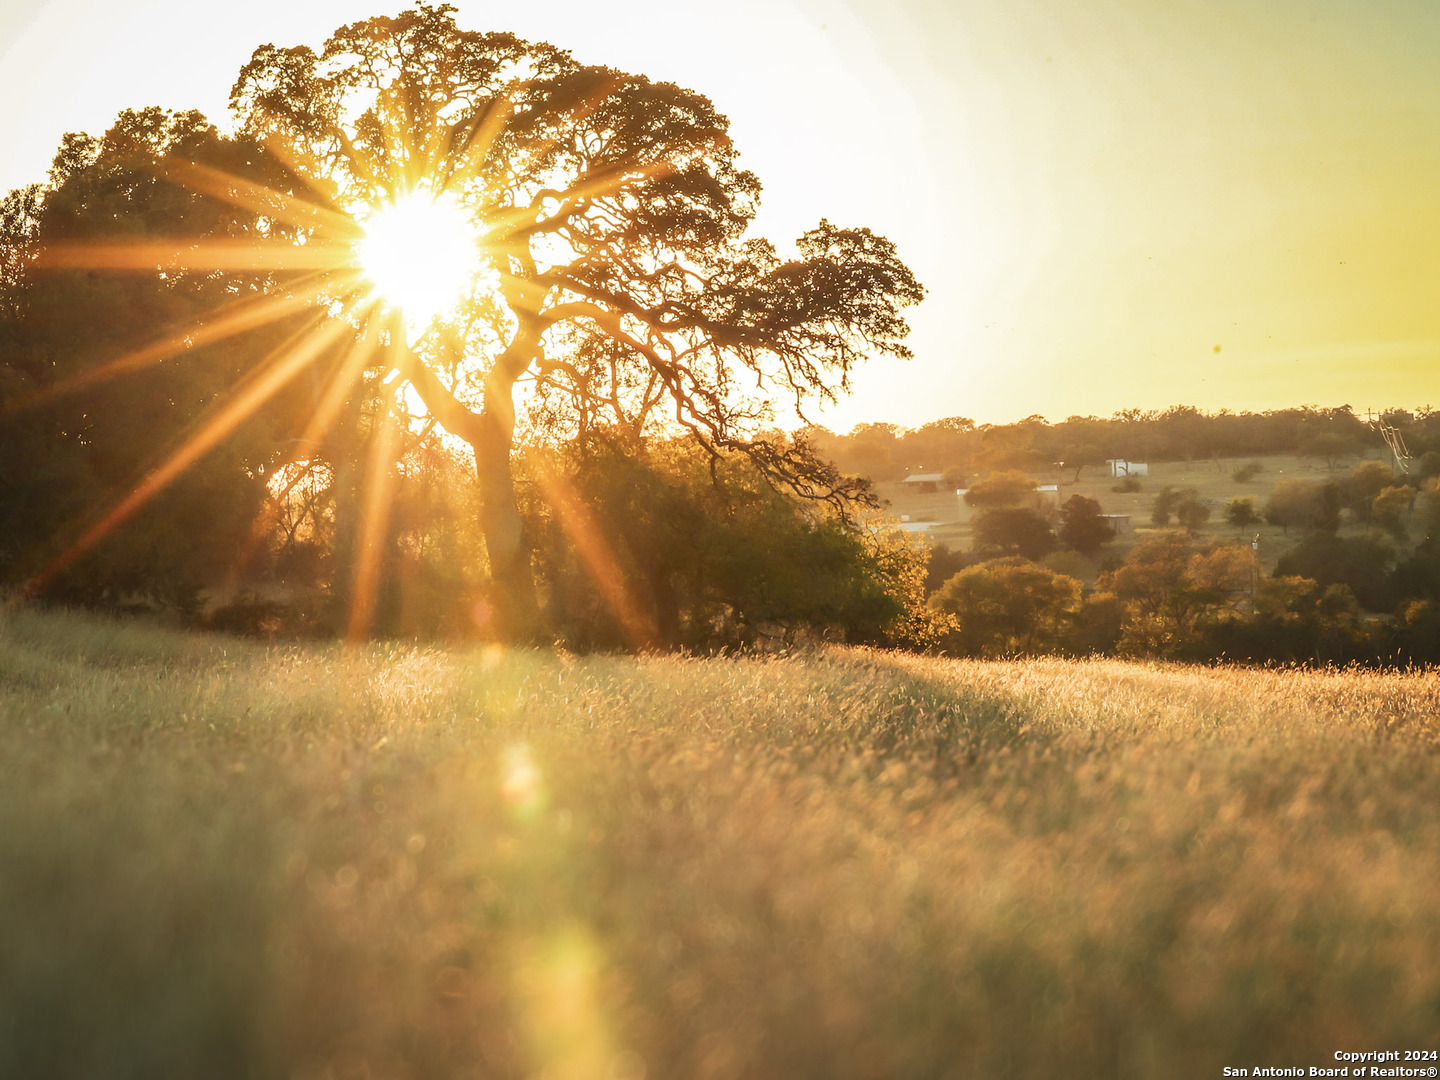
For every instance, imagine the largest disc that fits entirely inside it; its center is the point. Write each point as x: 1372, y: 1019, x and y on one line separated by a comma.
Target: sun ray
x: 246, y: 314
x: 199, y: 255
x: 288, y: 153
x: 515, y: 223
x: 322, y: 417
x: 378, y: 498
x: 408, y: 173
x: 597, y: 556
x: 347, y: 376
x: 482, y: 136
x: 279, y: 368
x: 263, y: 200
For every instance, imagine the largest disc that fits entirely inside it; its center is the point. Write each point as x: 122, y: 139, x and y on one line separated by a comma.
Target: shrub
x: 1240, y: 512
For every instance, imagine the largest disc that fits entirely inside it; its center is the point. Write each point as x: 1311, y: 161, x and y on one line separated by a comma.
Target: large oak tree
x: 614, y: 217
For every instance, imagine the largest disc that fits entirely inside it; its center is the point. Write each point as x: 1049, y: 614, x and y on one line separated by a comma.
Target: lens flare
x: 422, y: 254
x: 521, y: 783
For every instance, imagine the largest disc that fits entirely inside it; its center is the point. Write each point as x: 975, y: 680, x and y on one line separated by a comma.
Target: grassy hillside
x: 222, y: 859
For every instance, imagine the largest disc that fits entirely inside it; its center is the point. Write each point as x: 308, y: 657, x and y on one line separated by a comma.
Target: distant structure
x: 1396, y: 442
x: 925, y: 483
x: 1121, y: 467
x: 1119, y: 523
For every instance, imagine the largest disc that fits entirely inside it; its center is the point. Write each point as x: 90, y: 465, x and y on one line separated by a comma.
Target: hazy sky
x: 1097, y: 193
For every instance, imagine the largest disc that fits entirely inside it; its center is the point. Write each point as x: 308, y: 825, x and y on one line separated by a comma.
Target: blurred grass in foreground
x: 224, y: 859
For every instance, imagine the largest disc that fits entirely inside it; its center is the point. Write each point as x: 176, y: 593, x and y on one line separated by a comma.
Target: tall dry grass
x: 224, y: 859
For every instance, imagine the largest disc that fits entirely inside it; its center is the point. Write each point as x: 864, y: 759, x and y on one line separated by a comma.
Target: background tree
x: 1007, y: 488
x: 1367, y: 480
x: 1191, y: 512
x: 870, y: 450
x: 954, y: 478
x: 1082, y: 527
x: 1361, y: 563
x: 1166, y: 502
x: 613, y: 216
x: 1013, y: 531
x: 1078, y: 455
x: 1304, y: 504
x: 1389, y: 507
x: 1153, y: 579
x: 645, y: 544
x: 941, y: 565
x: 1227, y: 572
x: 1007, y: 606
x: 1414, y: 633
x: 1240, y: 511
x: 1331, y: 447
x: 1298, y: 619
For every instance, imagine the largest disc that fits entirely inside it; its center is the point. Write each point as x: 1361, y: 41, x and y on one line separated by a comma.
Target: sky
x: 1113, y: 203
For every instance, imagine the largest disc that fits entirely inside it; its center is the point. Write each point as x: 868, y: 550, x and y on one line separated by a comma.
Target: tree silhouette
x: 1240, y: 511
x: 613, y: 216
x: 1083, y: 527
x: 103, y: 374
x: 1014, y: 531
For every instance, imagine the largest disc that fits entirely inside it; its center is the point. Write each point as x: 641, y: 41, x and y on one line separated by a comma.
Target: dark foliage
x: 1361, y: 563
x: 648, y: 545
x: 1082, y: 527
x: 1015, y: 531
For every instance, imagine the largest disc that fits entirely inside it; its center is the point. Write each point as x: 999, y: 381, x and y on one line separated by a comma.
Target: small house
x: 1121, y: 467
x: 925, y: 483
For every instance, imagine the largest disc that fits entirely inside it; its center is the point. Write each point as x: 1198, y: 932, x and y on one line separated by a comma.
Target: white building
x: 1121, y: 467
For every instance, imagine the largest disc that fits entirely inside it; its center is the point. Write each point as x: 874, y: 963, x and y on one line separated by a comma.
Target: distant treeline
x: 1369, y: 594
x: 1181, y: 433
x: 1331, y: 600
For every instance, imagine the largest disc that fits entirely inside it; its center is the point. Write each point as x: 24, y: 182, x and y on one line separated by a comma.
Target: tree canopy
x: 103, y: 374
x: 616, y: 281
x: 613, y: 216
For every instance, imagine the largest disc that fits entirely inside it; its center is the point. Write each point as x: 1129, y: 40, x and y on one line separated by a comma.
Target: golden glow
x: 520, y: 781
x: 422, y: 253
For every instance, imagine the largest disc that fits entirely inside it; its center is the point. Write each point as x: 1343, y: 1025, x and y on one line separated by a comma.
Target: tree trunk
x: 515, y: 612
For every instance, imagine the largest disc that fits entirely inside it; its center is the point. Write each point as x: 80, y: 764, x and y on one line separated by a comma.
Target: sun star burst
x: 421, y: 252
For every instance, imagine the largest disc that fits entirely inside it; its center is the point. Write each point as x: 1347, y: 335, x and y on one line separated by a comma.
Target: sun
x: 422, y: 254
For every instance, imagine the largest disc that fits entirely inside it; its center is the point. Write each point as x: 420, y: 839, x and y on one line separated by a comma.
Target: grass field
x: 224, y: 859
